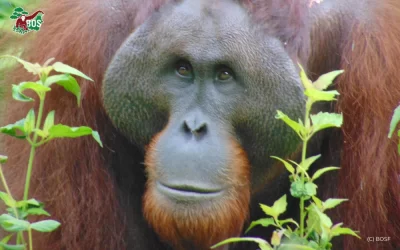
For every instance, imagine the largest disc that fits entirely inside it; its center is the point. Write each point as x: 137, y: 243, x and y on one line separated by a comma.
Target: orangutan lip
x: 187, y: 190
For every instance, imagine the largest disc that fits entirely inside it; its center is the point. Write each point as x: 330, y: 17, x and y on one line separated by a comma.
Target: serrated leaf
x: 395, y: 120
x: 297, y: 127
x: 331, y: 203
x: 325, y: 120
x: 325, y: 80
x: 287, y: 165
x: 262, y: 244
x: 45, y: 226
x: 15, y: 129
x: 3, y: 159
x: 30, y: 67
x: 29, y: 124
x: 63, y: 68
x: 319, y: 95
x: 305, y: 165
x: 343, y: 230
x: 299, y: 189
x: 278, y: 208
x: 9, y: 201
x: 49, y: 122
x: 63, y: 131
x: 321, y: 171
x: 12, y: 224
x: 18, y: 96
x: 265, y: 222
x: 72, y: 86
x: 304, y: 79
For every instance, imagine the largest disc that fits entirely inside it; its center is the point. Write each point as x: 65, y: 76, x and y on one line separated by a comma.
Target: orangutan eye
x: 184, y: 69
x: 224, y: 74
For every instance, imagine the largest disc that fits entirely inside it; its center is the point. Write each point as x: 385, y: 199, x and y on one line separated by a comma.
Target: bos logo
x: 24, y: 22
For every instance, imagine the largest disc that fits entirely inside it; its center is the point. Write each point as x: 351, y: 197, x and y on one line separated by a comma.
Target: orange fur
x: 370, y: 167
x: 75, y: 181
x: 201, y: 226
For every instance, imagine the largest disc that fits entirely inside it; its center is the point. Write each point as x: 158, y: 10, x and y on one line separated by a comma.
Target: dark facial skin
x: 203, y: 75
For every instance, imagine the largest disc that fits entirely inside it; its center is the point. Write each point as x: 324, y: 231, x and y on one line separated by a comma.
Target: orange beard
x: 199, y: 225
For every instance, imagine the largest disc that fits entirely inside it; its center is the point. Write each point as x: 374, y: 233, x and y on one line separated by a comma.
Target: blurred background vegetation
x: 6, y: 24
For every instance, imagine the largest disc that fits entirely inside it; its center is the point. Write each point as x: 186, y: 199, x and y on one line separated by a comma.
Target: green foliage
x: 393, y: 124
x: 16, y: 220
x: 315, y: 229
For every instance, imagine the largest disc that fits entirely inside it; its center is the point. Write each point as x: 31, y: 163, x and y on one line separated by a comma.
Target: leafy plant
x: 36, y: 132
x: 315, y: 229
x: 393, y: 124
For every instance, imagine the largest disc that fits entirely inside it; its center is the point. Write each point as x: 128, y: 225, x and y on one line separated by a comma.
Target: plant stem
x: 30, y: 238
x: 33, y: 147
x: 20, y: 236
x: 303, y: 158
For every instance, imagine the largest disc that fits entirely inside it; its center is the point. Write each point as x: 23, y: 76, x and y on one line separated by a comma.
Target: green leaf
x: 262, y: 244
x: 15, y: 129
x: 48, y: 61
x: 14, y: 17
x: 45, y: 226
x: 49, y: 122
x: 278, y: 208
x: 7, y: 238
x: 30, y: 202
x: 17, y: 95
x: 343, y: 230
x: 299, y: 189
x: 72, y: 86
x: 311, y: 189
x: 318, y: 221
x: 294, y: 247
x: 321, y: 171
x: 324, y: 120
x: 317, y: 202
x: 395, y: 120
x: 265, y: 222
x: 30, y: 67
x: 37, y: 211
x: 63, y: 131
x: 38, y: 87
x: 19, y: 9
x: 318, y: 95
x: 29, y: 124
x: 53, y: 79
x: 287, y: 165
x: 276, y: 238
x: 305, y: 165
x: 12, y: 224
x: 283, y: 222
x: 11, y: 247
x: 63, y: 68
x: 9, y: 201
x: 3, y: 159
x: 325, y: 80
x: 297, y: 127
x: 331, y: 203
x: 304, y: 79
